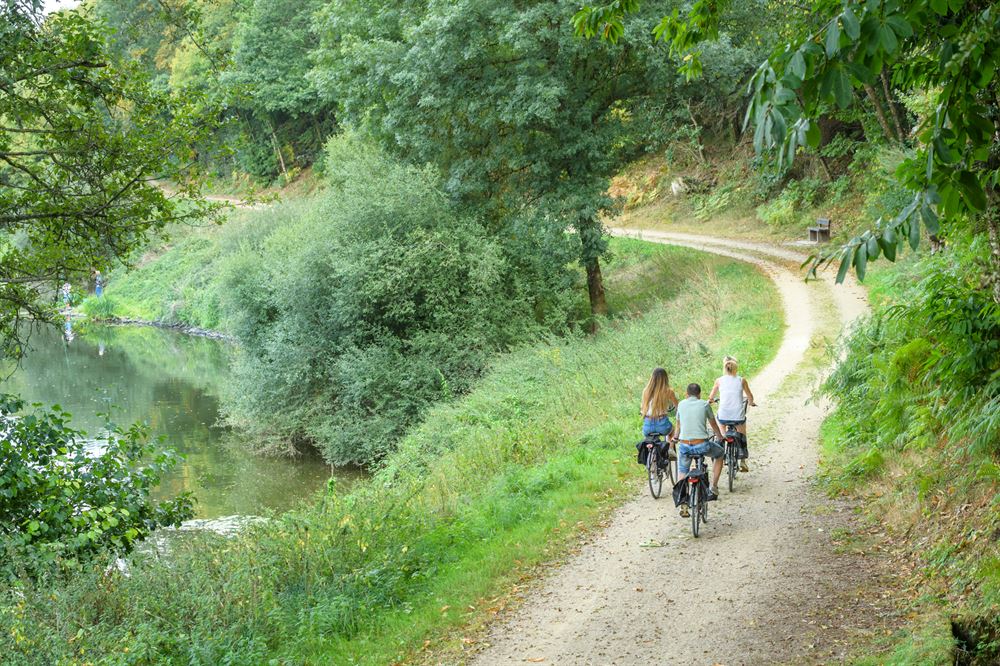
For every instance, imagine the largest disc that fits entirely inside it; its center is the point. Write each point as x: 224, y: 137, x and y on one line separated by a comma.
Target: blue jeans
x: 711, y: 448
x: 659, y: 425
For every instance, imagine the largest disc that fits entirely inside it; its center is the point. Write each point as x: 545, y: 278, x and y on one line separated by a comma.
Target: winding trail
x: 643, y: 590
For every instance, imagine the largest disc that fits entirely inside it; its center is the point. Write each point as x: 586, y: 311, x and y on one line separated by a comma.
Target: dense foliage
x: 65, y: 499
x: 82, y: 133
x: 250, y: 59
x: 521, y: 118
x: 378, y: 301
x: 947, y: 51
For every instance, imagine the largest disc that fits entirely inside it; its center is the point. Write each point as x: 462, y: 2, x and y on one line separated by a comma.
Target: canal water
x: 170, y: 381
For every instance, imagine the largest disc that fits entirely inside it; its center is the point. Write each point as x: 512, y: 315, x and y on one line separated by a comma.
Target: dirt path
x: 762, y: 582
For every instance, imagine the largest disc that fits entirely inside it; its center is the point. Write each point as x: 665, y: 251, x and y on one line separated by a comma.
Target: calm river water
x: 171, y: 381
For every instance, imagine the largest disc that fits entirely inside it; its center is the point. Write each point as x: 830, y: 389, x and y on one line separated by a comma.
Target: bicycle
x: 734, y: 443
x: 654, y: 468
x: 698, y: 489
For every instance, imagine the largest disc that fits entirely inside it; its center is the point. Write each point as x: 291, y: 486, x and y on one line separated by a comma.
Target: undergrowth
x: 917, y: 434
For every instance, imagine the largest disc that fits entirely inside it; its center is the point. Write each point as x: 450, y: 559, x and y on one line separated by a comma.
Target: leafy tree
x: 374, y: 301
x: 62, y: 503
x: 517, y: 114
x: 946, y: 47
x: 82, y: 137
x: 270, y: 63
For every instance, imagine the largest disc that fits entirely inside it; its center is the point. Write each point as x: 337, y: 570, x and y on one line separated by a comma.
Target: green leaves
x: 62, y: 504
x: 84, y: 135
x: 832, y: 38
x: 852, y: 27
x: 837, y: 84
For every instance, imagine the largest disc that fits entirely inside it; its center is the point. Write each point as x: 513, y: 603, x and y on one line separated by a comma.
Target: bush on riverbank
x: 917, y: 434
x: 487, y: 487
x: 378, y: 301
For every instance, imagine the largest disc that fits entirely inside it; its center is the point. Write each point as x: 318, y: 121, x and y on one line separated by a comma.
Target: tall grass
x: 485, y: 488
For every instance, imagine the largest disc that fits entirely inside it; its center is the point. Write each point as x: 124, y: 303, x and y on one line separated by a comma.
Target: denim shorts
x: 711, y: 448
x: 661, y: 425
x: 732, y: 421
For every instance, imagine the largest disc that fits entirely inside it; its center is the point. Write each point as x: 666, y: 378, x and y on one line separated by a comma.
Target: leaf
x: 797, y: 65
x: 940, y: 6
x: 813, y: 134
x: 832, y: 38
x: 845, y: 263
x: 888, y: 246
x: 972, y: 191
x: 930, y: 219
x: 900, y: 26
x: 872, y: 248
x: 841, y: 87
x: 914, y: 235
x: 861, y: 261
x: 851, y: 25
x: 887, y: 38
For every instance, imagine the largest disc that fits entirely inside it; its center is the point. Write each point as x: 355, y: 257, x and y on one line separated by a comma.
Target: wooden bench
x: 821, y: 232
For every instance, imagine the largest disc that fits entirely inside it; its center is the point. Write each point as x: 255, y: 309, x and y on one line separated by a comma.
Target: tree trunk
x: 697, y: 138
x: 595, y: 287
x: 880, y: 113
x: 277, y: 150
x: 893, y: 107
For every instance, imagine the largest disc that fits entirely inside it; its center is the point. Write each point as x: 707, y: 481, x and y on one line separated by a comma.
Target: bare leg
x: 742, y: 429
x: 716, y: 472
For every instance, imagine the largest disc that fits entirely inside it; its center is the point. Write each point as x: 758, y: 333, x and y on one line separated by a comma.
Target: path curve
x: 643, y: 590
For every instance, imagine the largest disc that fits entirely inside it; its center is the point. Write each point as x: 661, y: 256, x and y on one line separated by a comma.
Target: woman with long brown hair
x: 658, y: 400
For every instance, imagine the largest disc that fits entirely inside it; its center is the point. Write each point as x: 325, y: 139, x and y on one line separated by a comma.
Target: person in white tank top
x: 730, y: 389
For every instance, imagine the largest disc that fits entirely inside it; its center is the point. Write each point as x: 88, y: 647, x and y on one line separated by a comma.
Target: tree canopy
x: 944, y: 48
x: 520, y: 117
x: 83, y: 137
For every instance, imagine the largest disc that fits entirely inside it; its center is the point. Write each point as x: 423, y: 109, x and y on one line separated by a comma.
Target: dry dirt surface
x: 764, y: 583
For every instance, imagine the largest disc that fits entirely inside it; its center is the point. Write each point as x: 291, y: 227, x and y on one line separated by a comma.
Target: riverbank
x: 176, y: 327
x: 480, y: 494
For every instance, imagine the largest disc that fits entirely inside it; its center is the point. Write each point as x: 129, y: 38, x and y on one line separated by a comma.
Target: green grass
x: 475, y: 498
x: 929, y: 642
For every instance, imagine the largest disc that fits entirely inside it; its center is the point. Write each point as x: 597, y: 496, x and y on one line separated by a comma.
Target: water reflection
x: 171, y: 382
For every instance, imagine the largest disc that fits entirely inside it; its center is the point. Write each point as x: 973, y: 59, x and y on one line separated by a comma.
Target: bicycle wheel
x: 695, y: 507
x: 655, y: 474
x: 704, y: 503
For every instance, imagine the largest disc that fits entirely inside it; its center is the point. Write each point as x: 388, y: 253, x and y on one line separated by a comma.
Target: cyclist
x: 731, y: 388
x: 693, y: 415
x: 658, y: 400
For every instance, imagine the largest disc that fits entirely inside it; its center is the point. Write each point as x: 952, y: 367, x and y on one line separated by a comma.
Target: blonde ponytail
x: 730, y: 365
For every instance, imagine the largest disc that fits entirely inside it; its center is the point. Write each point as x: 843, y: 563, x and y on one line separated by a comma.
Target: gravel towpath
x: 749, y: 590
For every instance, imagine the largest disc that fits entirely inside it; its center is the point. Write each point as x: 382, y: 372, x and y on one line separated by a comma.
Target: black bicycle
x: 698, y: 489
x: 734, y: 443
x: 658, y: 463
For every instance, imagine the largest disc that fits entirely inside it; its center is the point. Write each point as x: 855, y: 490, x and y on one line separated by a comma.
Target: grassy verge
x: 473, y: 500
x: 912, y: 453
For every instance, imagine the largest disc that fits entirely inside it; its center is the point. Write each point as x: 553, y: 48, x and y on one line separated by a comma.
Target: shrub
x: 376, y: 301
x: 101, y: 308
x: 62, y: 503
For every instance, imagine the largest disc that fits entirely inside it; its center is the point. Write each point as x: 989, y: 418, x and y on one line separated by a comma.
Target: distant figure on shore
x: 67, y: 290
x: 98, y: 283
